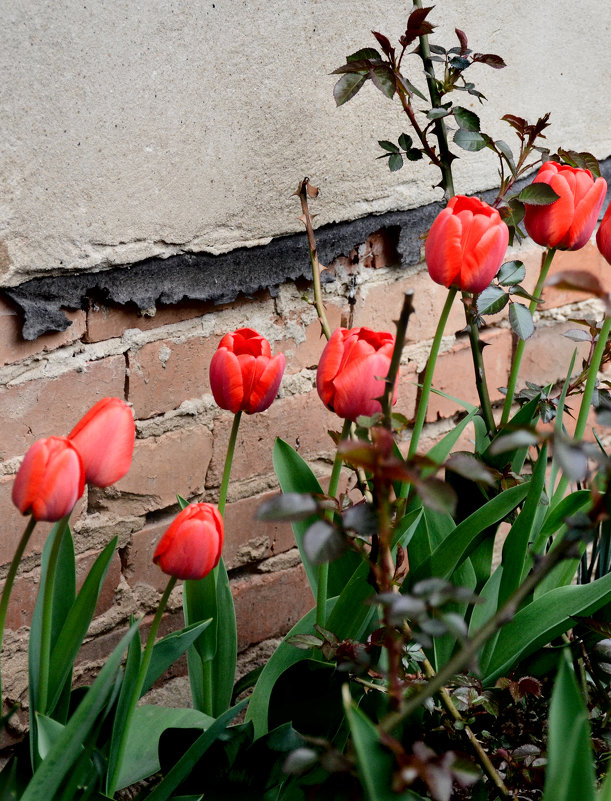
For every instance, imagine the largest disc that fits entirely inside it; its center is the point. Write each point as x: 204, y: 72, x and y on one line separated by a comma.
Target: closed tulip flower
x: 105, y: 439
x: 244, y: 375
x: 352, y: 369
x: 466, y: 244
x: 603, y: 235
x: 568, y: 222
x: 50, y: 480
x: 192, y: 545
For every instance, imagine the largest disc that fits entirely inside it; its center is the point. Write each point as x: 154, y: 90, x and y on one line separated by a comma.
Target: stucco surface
x: 132, y: 129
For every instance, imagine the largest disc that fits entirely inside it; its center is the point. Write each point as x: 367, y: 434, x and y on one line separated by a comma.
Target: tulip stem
x: 136, y: 689
x: 47, y: 618
x: 10, y: 579
x: 477, y: 347
x: 586, y: 400
x: 517, y: 357
x: 304, y: 188
x: 323, y: 569
x: 428, y: 374
x: 228, y: 462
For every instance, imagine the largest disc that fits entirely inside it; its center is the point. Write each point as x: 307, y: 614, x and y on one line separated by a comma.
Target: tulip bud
x: 466, y: 244
x: 50, y: 480
x: 105, y: 439
x: 243, y: 374
x: 352, y: 369
x: 568, y: 222
x: 603, y: 235
x: 191, y: 546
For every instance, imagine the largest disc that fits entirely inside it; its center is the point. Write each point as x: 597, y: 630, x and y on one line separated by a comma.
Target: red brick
x: 299, y: 418
x: 163, y: 374
x: 269, y: 605
x: 106, y: 322
x: 454, y: 373
x: 248, y: 539
x: 175, y: 462
x: 25, y: 589
x: 307, y: 353
x: 379, y: 306
x: 138, y: 559
x: 46, y: 407
x: 13, y: 347
x: 588, y: 259
x: 13, y: 524
x: 547, y: 354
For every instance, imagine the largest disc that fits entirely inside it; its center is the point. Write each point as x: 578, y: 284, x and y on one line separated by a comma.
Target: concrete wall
x: 139, y: 128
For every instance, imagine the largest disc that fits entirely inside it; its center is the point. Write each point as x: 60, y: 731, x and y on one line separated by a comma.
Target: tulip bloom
x: 191, y: 547
x: 105, y: 439
x: 243, y: 374
x: 568, y: 222
x: 603, y: 235
x: 50, y: 480
x: 466, y: 244
x: 352, y: 369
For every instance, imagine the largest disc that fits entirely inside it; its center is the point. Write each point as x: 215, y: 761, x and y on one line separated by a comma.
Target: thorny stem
x: 445, y: 157
x: 517, y: 358
x: 307, y: 220
x: 393, y: 370
x: 477, y: 347
x: 470, y: 648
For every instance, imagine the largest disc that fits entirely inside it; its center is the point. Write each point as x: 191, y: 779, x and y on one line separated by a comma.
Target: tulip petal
x: 226, y: 380
x: 267, y: 384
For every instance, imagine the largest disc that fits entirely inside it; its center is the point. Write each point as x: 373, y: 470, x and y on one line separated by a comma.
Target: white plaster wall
x: 134, y: 128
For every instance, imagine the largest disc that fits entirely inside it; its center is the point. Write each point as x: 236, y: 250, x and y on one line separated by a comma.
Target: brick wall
x: 159, y: 364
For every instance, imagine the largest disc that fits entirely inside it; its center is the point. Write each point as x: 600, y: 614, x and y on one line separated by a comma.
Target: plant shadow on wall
x: 423, y: 671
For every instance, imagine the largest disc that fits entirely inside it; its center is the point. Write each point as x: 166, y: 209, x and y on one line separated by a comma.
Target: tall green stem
x: 10, y: 580
x: 323, y: 569
x: 428, y: 373
x: 586, y: 399
x: 47, y: 617
x: 517, y: 358
x: 137, y: 687
x: 479, y: 367
x: 228, y: 462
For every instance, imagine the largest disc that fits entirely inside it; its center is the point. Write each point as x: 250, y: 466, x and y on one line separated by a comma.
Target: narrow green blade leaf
x: 169, y: 649
x: 76, y: 624
x: 49, y: 776
x: 570, y: 768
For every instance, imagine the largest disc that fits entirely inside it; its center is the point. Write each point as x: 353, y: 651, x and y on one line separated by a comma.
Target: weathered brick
x: 163, y: 374
x: 175, y: 462
x: 46, y: 407
x: 378, y: 306
x: 138, y: 558
x: 454, y: 373
x: 13, y: 523
x: 299, y: 419
x: 268, y: 605
x: 13, y: 347
x: 307, y: 353
x: 588, y: 259
x: 25, y: 589
x: 547, y: 354
x: 106, y: 322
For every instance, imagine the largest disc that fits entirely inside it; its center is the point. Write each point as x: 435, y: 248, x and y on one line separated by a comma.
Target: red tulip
x: 466, y: 244
x: 243, y: 374
x: 105, y: 439
x: 568, y: 222
x: 352, y: 370
x: 603, y: 235
x: 191, y: 547
x: 50, y: 480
